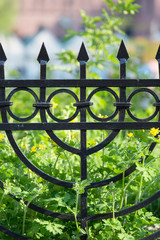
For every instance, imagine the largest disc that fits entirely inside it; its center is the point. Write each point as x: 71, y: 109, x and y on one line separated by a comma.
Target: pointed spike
x: 158, y: 54
x: 82, y: 55
x: 122, y: 52
x: 43, y: 55
x: 2, y: 54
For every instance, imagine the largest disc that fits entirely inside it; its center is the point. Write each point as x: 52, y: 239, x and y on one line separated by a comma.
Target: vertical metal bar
x: 158, y: 60
x: 43, y: 69
x: 122, y: 89
x: 83, y: 135
x: 2, y: 89
x: 159, y: 68
x: 42, y: 89
x: 123, y: 68
x: 43, y: 59
x: 122, y: 57
x: 2, y: 70
x: 2, y: 77
x: 83, y: 58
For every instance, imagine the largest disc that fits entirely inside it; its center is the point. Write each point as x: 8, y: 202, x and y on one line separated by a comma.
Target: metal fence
x: 82, y: 106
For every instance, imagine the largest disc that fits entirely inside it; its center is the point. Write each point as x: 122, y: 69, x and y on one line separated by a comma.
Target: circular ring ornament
x: 92, y: 94
x: 25, y: 119
x: 138, y: 91
x: 63, y: 91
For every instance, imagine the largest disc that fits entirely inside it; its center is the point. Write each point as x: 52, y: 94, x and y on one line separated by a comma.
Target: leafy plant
x: 127, y: 149
x: 103, y: 31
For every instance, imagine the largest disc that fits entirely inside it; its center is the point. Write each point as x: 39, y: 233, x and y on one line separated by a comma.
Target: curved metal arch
x: 90, y: 217
x: 26, y: 161
x: 12, y: 234
x: 138, y: 91
x: 62, y: 91
x: 114, y: 179
x: 99, y: 90
x: 118, y: 177
x: 25, y: 119
x: 96, y: 148
x: 103, y: 144
x: 152, y: 236
x: 126, y: 210
x: 32, y: 167
x: 52, y: 135
x: 62, y: 144
x: 45, y: 211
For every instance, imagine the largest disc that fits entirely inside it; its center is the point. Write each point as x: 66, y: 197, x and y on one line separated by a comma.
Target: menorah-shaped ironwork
x: 122, y: 105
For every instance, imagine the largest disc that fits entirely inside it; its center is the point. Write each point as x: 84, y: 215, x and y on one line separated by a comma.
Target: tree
x: 103, y: 31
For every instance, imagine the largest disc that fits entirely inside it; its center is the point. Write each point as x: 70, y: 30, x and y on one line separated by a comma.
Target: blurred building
x: 59, y: 15
x: 56, y: 15
x: 147, y: 21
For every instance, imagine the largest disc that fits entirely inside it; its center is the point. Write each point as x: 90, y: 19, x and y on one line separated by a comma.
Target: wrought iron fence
x: 82, y: 105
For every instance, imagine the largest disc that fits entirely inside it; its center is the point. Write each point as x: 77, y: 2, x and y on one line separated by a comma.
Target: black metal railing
x: 82, y: 106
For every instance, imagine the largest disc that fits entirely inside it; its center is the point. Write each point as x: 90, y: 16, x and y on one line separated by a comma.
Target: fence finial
x: 157, y: 57
x: 83, y: 55
x: 122, y: 52
x: 2, y: 54
x: 43, y: 55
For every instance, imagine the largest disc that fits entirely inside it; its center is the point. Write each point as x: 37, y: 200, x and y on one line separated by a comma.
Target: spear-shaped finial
x: 43, y: 55
x: 82, y: 59
x: 122, y: 56
x: 43, y: 58
x: 157, y: 57
x: 2, y: 54
x: 3, y: 58
x: 82, y: 55
x: 122, y: 52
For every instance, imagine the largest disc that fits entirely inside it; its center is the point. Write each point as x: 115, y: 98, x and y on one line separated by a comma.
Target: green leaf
x: 125, y: 236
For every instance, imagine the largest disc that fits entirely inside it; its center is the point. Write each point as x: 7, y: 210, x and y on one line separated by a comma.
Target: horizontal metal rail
x: 76, y: 83
x: 79, y: 126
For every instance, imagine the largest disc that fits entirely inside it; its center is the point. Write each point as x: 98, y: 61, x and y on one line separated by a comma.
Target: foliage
x: 46, y: 155
x: 8, y: 11
x: 50, y: 158
x: 127, y: 148
x: 103, y: 31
